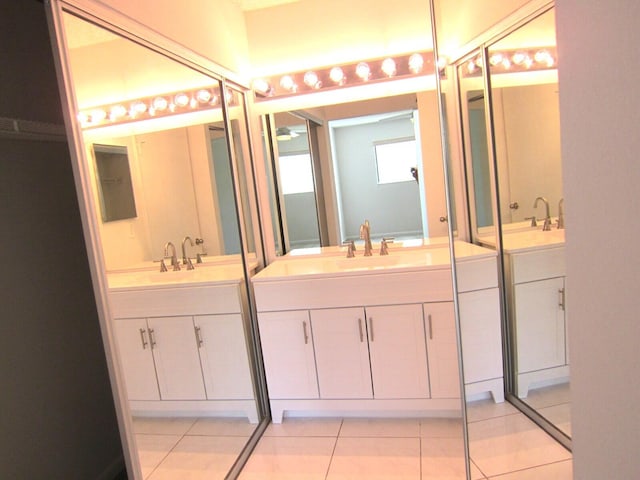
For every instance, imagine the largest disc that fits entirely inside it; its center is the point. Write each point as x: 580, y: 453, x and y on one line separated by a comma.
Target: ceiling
x: 247, y: 5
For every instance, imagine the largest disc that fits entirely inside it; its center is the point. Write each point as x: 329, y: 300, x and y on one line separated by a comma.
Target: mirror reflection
x: 177, y: 291
x: 514, y: 155
x: 114, y: 182
x: 527, y: 138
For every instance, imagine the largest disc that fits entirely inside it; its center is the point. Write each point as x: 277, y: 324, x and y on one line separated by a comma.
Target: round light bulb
x: 139, y: 107
x: 260, y: 85
x: 363, y: 71
x: 97, y: 115
x: 287, y: 83
x: 337, y: 75
x: 203, y: 95
x: 518, y: 58
x: 311, y: 79
x: 416, y: 63
x: 544, y: 57
x: 160, y: 104
x: 389, y: 67
x: 496, y: 58
x: 182, y: 99
x: 442, y: 63
x: 117, y: 112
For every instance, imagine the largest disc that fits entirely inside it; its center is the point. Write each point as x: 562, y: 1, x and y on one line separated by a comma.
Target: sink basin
x: 200, y: 275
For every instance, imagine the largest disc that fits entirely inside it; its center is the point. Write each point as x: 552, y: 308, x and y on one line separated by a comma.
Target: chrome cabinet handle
x: 360, y: 330
x: 561, y: 299
x: 430, y: 328
x: 143, y: 339
x: 304, y: 331
x: 198, y: 336
x: 371, y: 328
x: 152, y: 337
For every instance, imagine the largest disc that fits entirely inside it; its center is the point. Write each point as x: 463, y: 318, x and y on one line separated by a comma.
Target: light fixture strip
x: 514, y: 61
x: 155, y: 106
x: 346, y: 75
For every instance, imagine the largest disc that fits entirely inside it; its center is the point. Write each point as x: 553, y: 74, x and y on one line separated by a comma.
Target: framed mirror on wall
x: 172, y: 280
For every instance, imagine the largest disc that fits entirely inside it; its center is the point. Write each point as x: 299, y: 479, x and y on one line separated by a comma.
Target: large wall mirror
x: 509, y: 119
x: 176, y: 274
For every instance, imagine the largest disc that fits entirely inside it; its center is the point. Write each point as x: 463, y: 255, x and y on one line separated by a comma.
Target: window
x: 394, y: 161
x: 296, y: 175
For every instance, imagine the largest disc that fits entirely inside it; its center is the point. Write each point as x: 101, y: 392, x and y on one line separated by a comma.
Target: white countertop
x: 529, y: 240
x: 398, y: 260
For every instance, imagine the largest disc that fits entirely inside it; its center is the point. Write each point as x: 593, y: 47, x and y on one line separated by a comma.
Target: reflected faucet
x: 174, y: 258
x: 185, y: 259
x: 547, y: 219
x: 561, y: 214
x: 365, y: 234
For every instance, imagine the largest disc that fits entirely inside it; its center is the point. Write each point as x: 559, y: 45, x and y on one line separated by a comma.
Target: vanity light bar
x: 516, y: 60
x: 155, y: 106
x: 347, y: 75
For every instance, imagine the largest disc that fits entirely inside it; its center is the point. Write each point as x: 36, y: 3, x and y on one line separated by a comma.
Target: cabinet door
x: 287, y: 350
x: 176, y: 358
x: 132, y: 340
x: 398, y: 351
x: 342, y: 355
x: 442, y: 350
x: 481, y: 334
x: 539, y: 324
x: 224, y: 357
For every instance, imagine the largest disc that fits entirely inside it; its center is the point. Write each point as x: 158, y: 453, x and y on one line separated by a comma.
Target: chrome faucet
x: 365, y: 234
x: 384, y: 245
x: 561, y: 214
x: 174, y: 258
x: 547, y: 219
x: 185, y: 259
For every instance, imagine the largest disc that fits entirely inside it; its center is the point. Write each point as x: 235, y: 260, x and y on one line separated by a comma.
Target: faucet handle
x: 163, y: 266
x: 533, y: 221
x: 190, y: 264
x: 351, y: 248
x: 384, y: 245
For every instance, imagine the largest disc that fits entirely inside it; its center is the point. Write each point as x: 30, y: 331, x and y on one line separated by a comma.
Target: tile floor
x: 504, y: 445
x: 554, y: 404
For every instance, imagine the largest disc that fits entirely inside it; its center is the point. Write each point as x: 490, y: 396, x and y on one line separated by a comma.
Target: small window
x: 394, y: 161
x: 296, y: 175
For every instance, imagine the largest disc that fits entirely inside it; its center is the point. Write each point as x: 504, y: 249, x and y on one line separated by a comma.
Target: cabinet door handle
x: 152, y: 338
x: 561, y: 299
x: 430, y: 328
x: 371, y: 328
x: 360, y: 330
x: 304, y: 331
x: 143, y: 339
x: 198, y: 335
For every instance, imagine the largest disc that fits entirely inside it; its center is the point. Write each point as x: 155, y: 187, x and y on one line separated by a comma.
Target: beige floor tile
x: 162, y: 425
x: 443, y: 459
x: 441, y: 428
x: 548, y: 396
x: 375, y: 458
x: 199, y: 457
x: 380, y: 427
x: 485, y: 409
x: 152, y: 449
x: 510, y: 443
x: 555, y: 471
x: 559, y: 415
x: 305, y: 427
x: 235, y: 427
x: 476, y: 474
x: 289, y: 458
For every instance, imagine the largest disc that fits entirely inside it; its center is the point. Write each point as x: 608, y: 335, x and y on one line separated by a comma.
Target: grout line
x: 335, y: 445
x: 528, y: 468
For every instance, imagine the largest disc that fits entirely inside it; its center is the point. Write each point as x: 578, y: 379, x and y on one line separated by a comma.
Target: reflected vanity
x: 511, y: 138
x: 176, y: 246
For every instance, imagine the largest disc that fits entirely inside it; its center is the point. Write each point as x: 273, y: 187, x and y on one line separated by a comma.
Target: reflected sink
x: 201, y: 275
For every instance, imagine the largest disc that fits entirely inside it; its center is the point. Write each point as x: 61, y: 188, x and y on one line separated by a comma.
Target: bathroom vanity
x: 536, y: 292
x: 376, y: 335
x: 181, y: 339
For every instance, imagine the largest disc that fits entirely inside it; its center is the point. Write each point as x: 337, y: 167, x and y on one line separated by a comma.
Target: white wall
x: 599, y: 115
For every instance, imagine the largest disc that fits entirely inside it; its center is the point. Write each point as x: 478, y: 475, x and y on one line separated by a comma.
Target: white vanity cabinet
x: 182, y: 350
x: 287, y: 352
x: 371, y: 352
x: 364, y: 349
x: 536, y: 292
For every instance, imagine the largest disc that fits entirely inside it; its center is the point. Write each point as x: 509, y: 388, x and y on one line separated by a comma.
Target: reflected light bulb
x: 363, y: 71
x: 181, y: 99
x: 518, y: 58
x: 117, y: 112
x: 160, y: 104
x: 97, y: 115
x: 389, y: 67
x: 311, y: 80
x: 416, y: 63
x: 544, y: 57
x: 203, y: 95
x: 260, y: 85
x: 496, y: 58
